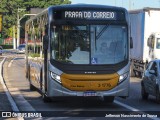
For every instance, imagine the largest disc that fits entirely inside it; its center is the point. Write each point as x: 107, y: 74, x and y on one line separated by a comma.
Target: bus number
x: 104, y: 85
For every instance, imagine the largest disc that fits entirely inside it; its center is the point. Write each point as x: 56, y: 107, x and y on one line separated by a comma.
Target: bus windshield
x: 89, y: 44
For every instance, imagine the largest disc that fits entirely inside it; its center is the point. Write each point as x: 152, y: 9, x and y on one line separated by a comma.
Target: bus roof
x: 80, y: 7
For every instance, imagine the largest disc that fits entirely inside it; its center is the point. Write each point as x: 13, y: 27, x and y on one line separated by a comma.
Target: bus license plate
x: 89, y: 93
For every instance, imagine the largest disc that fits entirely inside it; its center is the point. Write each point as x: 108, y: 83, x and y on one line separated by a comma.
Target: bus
x: 79, y: 50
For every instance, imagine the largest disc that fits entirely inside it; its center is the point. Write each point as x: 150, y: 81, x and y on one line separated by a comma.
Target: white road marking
x: 126, y: 106
x: 9, y: 65
x: 133, y: 109
x: 13, y: 104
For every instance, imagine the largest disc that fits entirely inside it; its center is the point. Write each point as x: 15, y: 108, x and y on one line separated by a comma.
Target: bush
x: 34, y: 55
x: 7, y: 46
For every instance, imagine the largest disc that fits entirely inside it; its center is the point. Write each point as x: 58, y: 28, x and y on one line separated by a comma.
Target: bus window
x: 114, y: 43
x: 70, y: 44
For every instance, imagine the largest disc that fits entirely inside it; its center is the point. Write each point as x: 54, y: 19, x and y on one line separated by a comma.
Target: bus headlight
x: 55, y: 77
x: 123, y: 77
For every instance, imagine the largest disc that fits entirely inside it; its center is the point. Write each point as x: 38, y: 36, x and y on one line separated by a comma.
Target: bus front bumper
x: 56, y: 89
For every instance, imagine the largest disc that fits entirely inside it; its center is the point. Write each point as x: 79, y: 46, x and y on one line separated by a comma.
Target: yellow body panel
x: 89, y: 82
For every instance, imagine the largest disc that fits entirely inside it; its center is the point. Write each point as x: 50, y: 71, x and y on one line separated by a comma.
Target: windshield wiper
x: 101, y: 32
x: 96, y: 37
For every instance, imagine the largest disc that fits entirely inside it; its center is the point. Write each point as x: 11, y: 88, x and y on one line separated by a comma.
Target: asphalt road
x: 73, y: 108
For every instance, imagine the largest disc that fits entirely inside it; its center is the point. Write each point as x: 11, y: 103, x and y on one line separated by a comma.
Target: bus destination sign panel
x: 91, y: 15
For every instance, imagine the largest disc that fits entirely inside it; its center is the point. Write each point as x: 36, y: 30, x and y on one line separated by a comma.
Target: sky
x: 128, y: 4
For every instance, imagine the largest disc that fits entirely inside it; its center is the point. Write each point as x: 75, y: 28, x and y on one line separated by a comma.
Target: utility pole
x: 14, y: 38
x: 18, y: 24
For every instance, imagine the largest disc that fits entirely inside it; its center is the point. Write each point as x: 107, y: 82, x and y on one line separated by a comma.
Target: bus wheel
x: 143, y: 93
x: 157, y: 96
x: 32, y: 88
x: 45, y: 98
x: 108, y: 99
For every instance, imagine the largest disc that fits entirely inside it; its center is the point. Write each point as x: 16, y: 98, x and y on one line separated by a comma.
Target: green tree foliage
x: 9, y: 9
x: 44, y: 3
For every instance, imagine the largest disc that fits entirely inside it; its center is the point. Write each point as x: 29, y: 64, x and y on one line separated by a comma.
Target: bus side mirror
x: 131, y: 42
x: 45, y: 42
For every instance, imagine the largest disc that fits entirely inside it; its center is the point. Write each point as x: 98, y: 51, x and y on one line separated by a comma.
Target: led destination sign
x: 90, y: 15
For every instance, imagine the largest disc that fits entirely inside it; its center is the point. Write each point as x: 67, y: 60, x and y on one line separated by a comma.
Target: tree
x: 9, y: 8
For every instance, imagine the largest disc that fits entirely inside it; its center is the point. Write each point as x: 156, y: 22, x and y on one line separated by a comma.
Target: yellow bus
x: 79, y: 50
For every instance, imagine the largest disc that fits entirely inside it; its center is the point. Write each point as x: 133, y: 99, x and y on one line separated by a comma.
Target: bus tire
x: 45, y: 98
x: 108, y: 99
x: 32, y: 88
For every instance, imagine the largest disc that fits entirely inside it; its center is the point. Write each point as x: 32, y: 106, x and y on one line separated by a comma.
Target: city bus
x: 79, y: 50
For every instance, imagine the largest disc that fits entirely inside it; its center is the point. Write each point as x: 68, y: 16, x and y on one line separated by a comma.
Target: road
x: 73, y: 108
